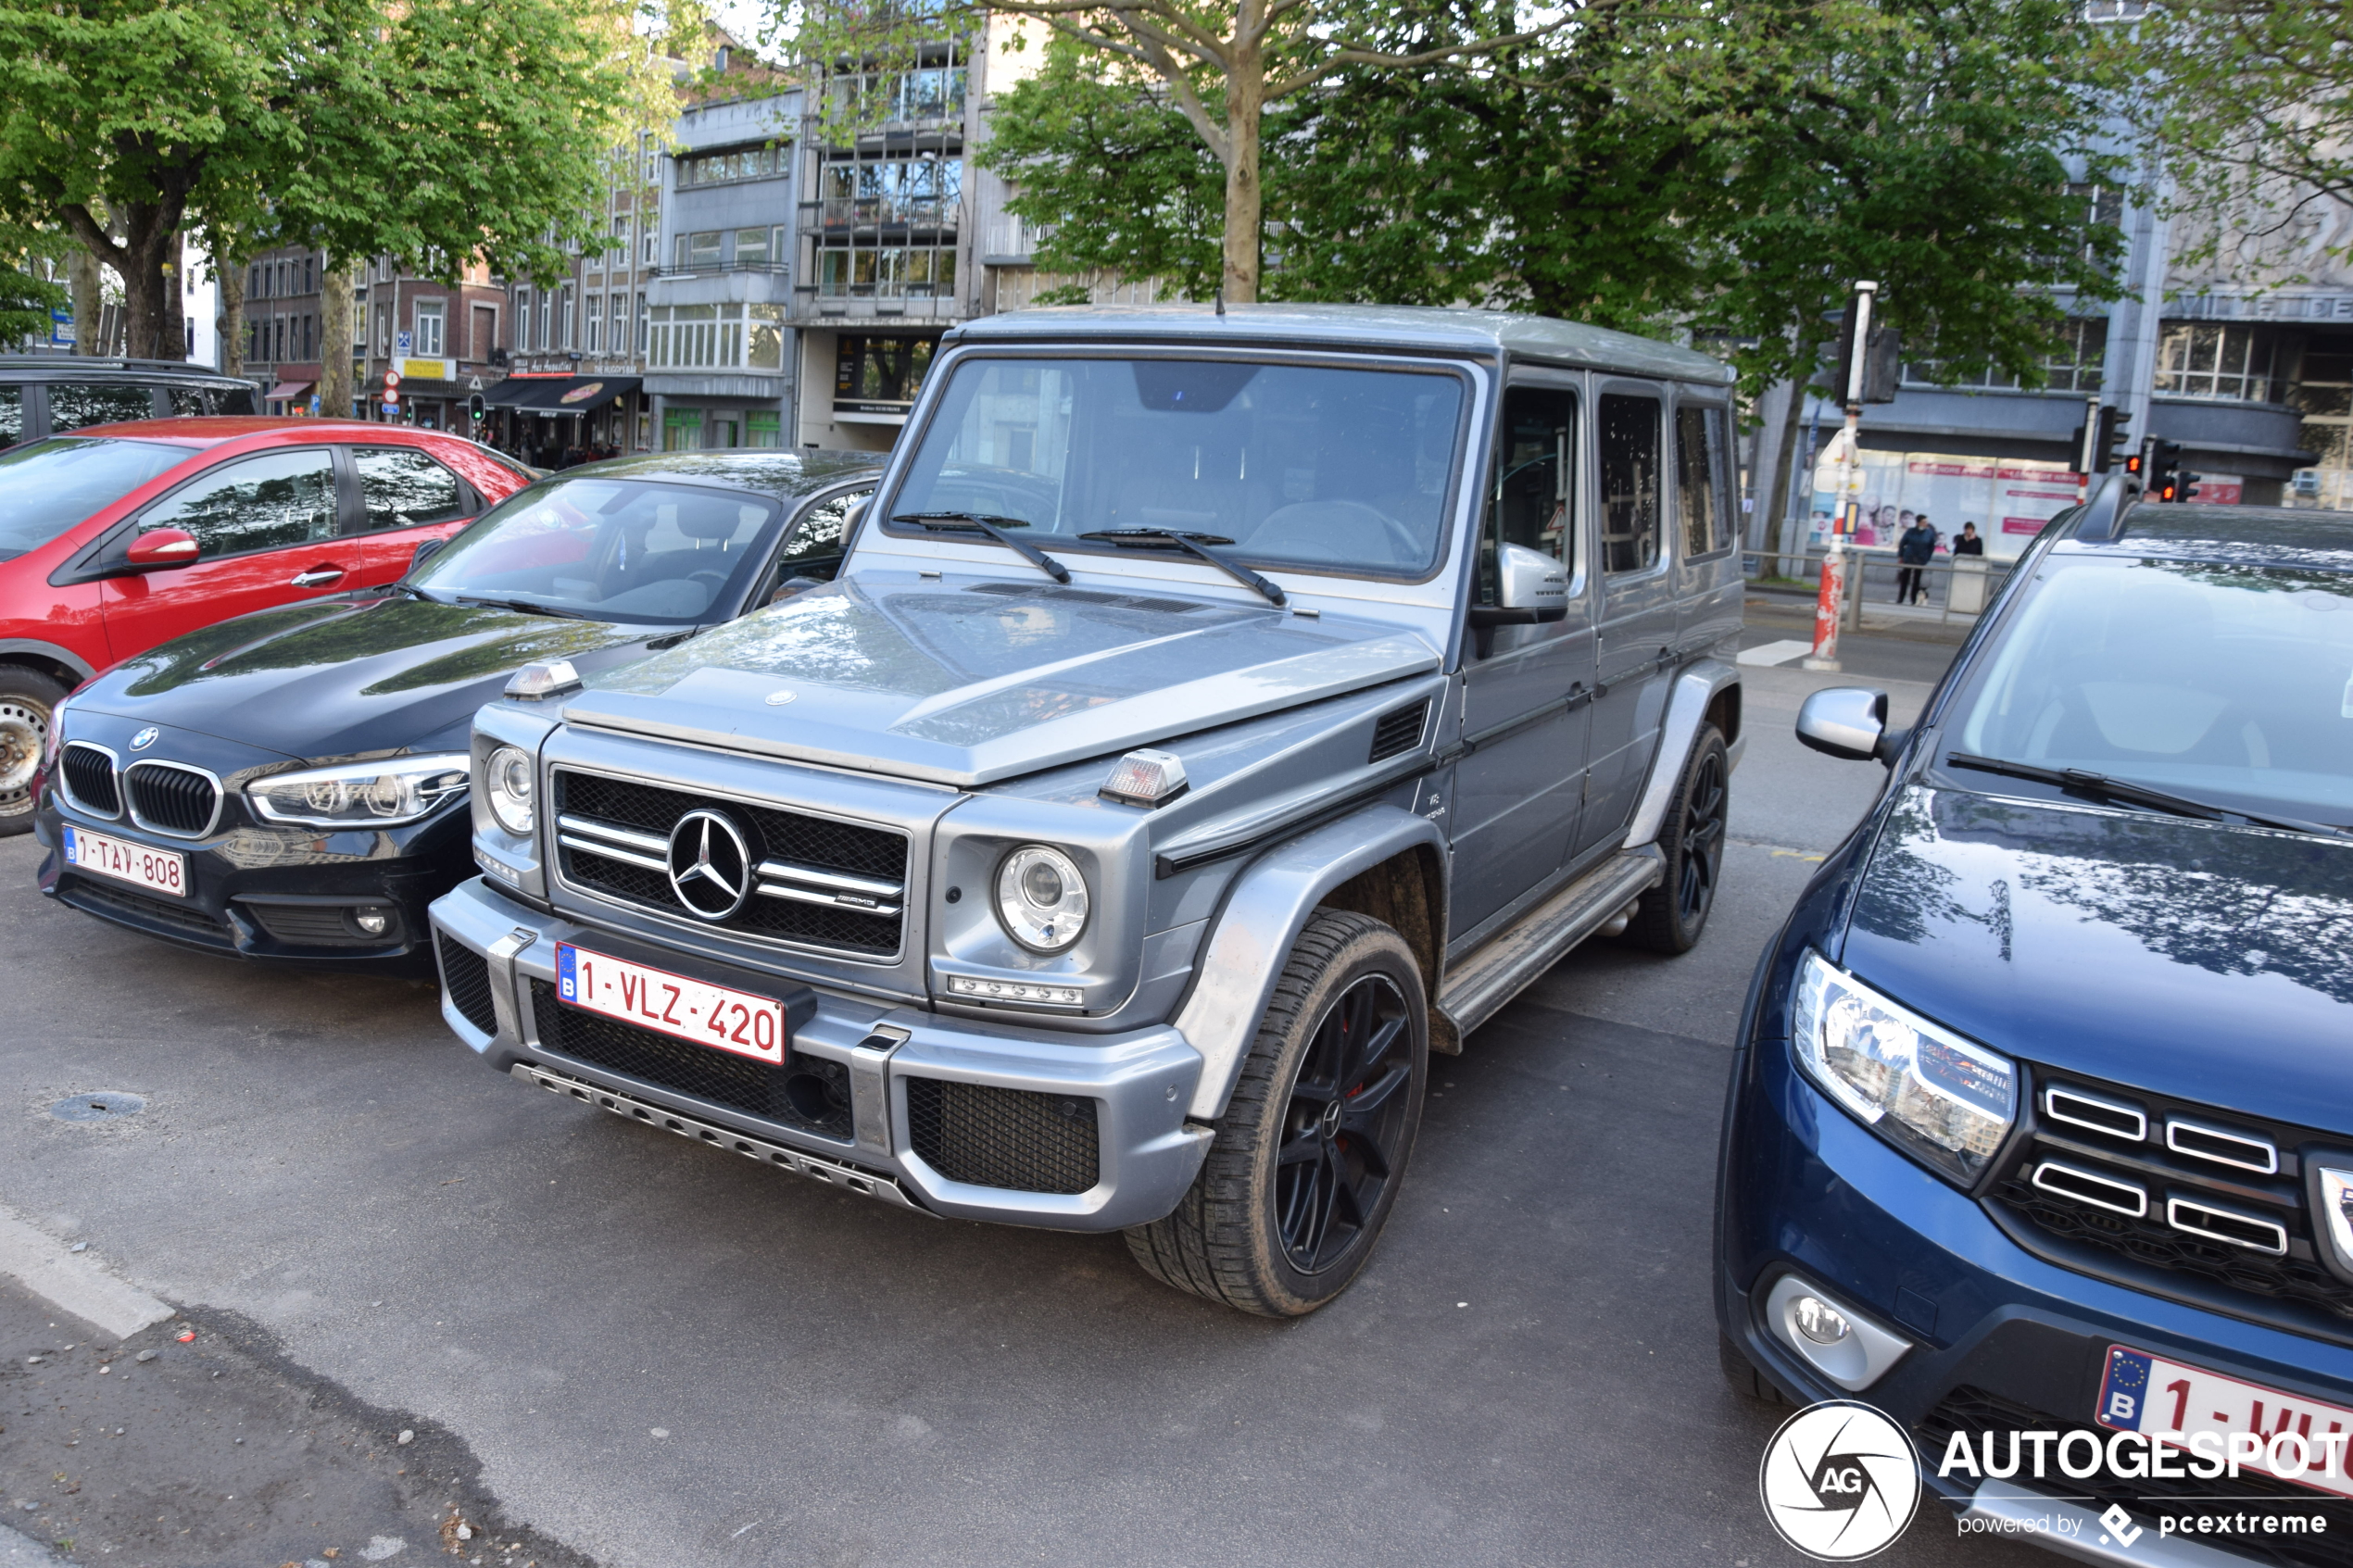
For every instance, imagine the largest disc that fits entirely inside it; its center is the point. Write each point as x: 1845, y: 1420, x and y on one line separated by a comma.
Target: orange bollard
x: 1827, y: 605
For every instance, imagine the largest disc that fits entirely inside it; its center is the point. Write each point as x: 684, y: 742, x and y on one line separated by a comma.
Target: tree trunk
x: 175, y: 299
x: 334, y: 332
x: 1245, y: 99
x: 229, y: 275
x: 1776, y: 508
x: 150, y: 238
x: 89, y: 299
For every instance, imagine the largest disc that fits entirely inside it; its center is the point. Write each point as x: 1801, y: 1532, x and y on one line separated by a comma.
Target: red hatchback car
x: 119, y: 537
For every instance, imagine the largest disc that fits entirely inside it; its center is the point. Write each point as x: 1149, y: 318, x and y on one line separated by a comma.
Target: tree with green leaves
x: 30, y: 259
x: 1222, y: 64
x: 431, y: 130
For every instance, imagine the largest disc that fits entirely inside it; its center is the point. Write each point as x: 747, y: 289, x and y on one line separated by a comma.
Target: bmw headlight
x: 508, y: 782
x: 361, y: 794
x: 1927, y: 1090
x: 1042, y: 898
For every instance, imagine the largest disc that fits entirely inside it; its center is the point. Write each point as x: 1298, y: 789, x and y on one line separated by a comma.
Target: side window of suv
x: 815, y: 546
x: 1530, y: 502
x: 11, y: 415
x: 1699, y: 478
x: 403, y: 488
x: 1629, y: 473
x: 262, y: 502
x: 73, y: 404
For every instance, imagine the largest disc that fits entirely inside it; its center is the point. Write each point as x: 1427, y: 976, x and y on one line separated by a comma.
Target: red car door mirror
x: 159, y: 549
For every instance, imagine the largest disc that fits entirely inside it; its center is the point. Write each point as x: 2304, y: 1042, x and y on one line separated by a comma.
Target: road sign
x: 392, y: 398
x: 403, y: 344
x: 391, y: 380
x: 473, y: 384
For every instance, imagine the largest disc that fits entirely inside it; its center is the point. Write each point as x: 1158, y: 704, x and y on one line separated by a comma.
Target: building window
x: 764, y: 431
x: 594, y: 332
x: 2071, y: 364
x: 310, y: 342
x: 889, y: 272
x: 880, y: 369
x: 2203, y: 360
x: 539, y: 338
x: 934, y: 94
x: 568, y: 327
x: 751, y: 247
x: 734, y: 163
x: 696, y: 252
x: 682, y: 430
x: 360, y: 324
x: 764, y: 343
x: 384, y: 328
x: 922, y: 190
x: 429, y: 337
x: 522, y: 319
x: 644, y: 326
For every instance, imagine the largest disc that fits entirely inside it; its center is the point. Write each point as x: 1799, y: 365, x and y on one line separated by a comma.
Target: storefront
x: 551, y: 420
x: 872, y: 377
x: 719, y: 413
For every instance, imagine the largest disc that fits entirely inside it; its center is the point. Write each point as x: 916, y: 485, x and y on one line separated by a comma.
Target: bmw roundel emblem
x: 779, y: 698
x: 144, y: 738
x: 710, y: 865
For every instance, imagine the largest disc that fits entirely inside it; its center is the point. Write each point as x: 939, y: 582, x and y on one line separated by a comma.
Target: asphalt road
x: 656, y: 1354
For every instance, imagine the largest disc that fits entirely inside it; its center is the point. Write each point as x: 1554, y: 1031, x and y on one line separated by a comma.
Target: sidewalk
x: 1927, y: 622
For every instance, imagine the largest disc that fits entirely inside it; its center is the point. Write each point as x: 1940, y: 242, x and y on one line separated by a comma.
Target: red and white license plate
x: 2273, y: 1433
x: 672, y: 1004
x: 164, y: 870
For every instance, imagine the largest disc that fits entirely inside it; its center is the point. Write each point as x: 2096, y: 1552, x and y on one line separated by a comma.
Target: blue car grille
x: 2182, y: 1199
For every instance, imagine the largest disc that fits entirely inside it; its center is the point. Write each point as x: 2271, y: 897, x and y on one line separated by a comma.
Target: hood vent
x: 1087, y: 597
x: 1399, y: 731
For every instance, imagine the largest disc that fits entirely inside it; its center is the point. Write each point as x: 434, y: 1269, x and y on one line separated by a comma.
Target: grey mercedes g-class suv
x: 1215, y: 714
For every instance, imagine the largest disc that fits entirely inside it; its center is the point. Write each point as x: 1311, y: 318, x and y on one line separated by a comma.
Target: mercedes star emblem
x: 144, y: 738
x: 710, y: 865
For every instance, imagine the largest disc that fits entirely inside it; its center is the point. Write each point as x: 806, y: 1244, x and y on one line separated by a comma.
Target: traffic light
x: 475, y: 408
x: 2160, y: 479
x: 2110, y: 437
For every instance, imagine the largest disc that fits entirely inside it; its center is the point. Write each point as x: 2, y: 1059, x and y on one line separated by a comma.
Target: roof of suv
x: 1415, y: 329
x: 69, y: 367
x: 212, y: 430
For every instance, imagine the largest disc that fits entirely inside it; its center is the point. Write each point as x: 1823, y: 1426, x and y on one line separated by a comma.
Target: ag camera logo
x: 1840, y: 1481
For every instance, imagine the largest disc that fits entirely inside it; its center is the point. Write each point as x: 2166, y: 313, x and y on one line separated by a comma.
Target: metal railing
x: 1873, y: 576
x: 889, y: 212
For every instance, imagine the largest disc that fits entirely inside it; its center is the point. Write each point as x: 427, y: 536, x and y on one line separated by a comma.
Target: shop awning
x: 560, y: 395
x: 290, y: 389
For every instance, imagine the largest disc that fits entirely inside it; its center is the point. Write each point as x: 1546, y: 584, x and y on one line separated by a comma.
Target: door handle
x: 316, y: 577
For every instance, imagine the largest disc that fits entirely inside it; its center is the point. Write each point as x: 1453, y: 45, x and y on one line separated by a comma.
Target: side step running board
x: 1477, y: 989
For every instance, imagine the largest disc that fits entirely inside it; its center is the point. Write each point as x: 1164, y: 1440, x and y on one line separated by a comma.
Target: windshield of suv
x: 2230, y: 684
x: 47, y: 487
x: 611, y: 549
x: 1300, y: 466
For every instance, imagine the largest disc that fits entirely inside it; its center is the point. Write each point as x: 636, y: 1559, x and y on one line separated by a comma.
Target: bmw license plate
x: 672, y: 1004
x: 2147, y: 1393
x: 159, y: 871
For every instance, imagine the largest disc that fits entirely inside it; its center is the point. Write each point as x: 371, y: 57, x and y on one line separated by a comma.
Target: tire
x: 1291, y: 1197
x: 1673, y: 913
x: 27, y: 700
x: 1741, y: 1376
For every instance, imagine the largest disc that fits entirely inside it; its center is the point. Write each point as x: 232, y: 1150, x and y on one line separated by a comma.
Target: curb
x: 72, y: 1283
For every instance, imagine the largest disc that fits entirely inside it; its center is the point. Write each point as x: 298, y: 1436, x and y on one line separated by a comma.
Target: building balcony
x: 837, y: 213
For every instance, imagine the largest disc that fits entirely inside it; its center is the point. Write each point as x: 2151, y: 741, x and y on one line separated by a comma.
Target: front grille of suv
x: 89, y: 779
x: 819, y: 883
x: 1009, y: 1138
x: 2195, y: 1193
x: 1975, y: 1413
x: 807, y: 1091
x: 465, y: 975
x: 167, y: 797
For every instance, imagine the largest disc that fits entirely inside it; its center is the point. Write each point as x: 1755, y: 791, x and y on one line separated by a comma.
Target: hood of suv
x: 971, y: 682
x: 2184, y: 958
x: 338, y: 677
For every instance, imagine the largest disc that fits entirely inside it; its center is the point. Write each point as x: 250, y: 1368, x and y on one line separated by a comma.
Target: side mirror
x: 160, y: 549
x: 424, y: 550
x: 792, y: 588
x: 1531, y: 588
x: 1849, y: 723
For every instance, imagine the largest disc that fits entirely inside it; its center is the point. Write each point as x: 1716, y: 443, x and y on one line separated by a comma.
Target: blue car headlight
x: 1941, y: 1100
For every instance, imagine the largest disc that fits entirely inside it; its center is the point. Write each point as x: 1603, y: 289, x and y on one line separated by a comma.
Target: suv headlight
x: 1042, y: 898
x: 506, y: 780
x: 1934, y: 1095
x: 361, y: 794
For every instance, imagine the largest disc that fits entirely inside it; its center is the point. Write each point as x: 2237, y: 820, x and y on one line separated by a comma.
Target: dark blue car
x: 2042, y: 1120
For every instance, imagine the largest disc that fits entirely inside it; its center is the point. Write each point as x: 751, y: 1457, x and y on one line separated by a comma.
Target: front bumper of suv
x: 953, y: 1116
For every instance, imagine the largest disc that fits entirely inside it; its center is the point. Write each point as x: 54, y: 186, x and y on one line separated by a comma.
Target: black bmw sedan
x: 289, y: 785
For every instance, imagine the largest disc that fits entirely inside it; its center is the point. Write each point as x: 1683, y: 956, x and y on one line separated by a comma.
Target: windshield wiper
x: 528, y: 607
x: 1195, y: 545
x: 2078, y: 781
x: 992, y: 525
x: 414, y: 591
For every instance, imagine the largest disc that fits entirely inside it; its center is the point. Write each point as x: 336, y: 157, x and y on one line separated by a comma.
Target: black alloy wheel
x: 1347, y: 1109
x: 1670, y: 917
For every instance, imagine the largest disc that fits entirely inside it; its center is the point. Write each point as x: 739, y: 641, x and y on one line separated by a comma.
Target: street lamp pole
x: 1830, y: 601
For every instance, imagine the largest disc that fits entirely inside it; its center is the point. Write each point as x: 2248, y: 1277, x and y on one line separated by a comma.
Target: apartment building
x: 283, y: 346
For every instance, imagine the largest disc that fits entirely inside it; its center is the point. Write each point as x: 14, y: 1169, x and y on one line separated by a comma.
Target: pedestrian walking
x: 1912, y: 553
x: 1969, y: 544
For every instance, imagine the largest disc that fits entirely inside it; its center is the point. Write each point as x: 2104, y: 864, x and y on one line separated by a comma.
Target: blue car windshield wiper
x: 1196, y: 544
x: 994, y: 526
x: 2080, y: 781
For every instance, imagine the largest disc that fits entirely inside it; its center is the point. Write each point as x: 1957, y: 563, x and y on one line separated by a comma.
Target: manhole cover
x: 107, y: 1105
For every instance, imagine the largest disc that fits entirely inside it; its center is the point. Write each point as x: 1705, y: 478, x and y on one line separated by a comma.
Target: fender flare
x: 1686, y: 708
x: 1269, y: 905
x: 55, y: 654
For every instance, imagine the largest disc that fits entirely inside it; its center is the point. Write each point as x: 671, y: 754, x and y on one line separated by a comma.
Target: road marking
x: 42, y: 1264
x: 1778, y: 851
x: 1774, y: 653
